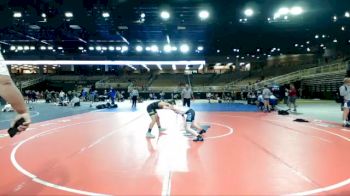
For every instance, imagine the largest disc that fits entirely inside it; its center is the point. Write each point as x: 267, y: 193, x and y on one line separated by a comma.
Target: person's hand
x: 25, y: 125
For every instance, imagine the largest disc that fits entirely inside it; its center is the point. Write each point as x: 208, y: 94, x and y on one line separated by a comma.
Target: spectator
x: 75, y: 102
x: 344, y: 91
x: 61, y: 96
x: 286, y: 95
x: 208, y: 96
x: 266, y: 95
x: 292, y: 96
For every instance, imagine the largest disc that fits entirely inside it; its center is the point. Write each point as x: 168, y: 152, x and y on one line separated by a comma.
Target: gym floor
x: 83, y: 151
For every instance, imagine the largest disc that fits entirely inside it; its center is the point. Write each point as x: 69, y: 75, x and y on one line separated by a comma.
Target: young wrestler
x: 190, y: 123
x: 152, y: 111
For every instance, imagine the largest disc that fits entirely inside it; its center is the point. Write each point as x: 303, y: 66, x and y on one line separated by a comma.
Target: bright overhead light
x: 308, y: 49
x: 17, y: 14
x: 43, y: 15
x: 249, y: 12
x: 68, y: 14
x: 184, y: 48
x: 347, y: 14
x: 165, y: 15
x: 20, y: 48
x: 104, y: 48
x: 32, y: 47
x: 296, y: 10
x: 139, y: 48
x: 343, y: 28
x: 335, y: 40
x: 143, y: 15
x: 111, y: 48
x: 154, y: 48
x: 91, y: 48
x: 317, y: 36
x: 98, y: 48
x: 118, y: 48
x: 50, y: 48
x: 13, y: 48
x: 148, y: 48
x: 283, y: 11
x: 80, y: 48
x: 174, y: 67
x: 26, y: 47
x: 174, y: 48
x: 59, y: 47
x: 335, y: 18
x: 125, y: 48
x: 95, y: 62
x: 105, y: 14
x: 200, y: 48
x: 203, y: 15
x: 42, y: 48
x: 167, y: 48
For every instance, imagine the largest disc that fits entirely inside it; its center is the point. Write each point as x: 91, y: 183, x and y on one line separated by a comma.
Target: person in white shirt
x: 7, y: 108
x: 13, y: 96
x: 186, y: 96
x: 75, y: 101
x: 266, y: 95
x: 260, y: 102
x: 208, y: 97
x: 190, y: 122
x: 344, y: 91
x: 61, y: 95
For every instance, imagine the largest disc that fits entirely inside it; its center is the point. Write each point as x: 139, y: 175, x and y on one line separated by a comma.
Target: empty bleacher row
x: 324, y: 83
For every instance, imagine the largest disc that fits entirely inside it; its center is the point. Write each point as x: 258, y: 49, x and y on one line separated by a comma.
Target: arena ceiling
x: 122, y: 29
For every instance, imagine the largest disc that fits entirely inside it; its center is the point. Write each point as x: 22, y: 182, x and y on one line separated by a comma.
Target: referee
x: 134, y: 97
x: 186, y: 95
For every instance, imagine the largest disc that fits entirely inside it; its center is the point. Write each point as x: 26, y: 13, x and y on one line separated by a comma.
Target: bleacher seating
x: 202, y: 79
x: 326, y: 83
x: 163, y: 80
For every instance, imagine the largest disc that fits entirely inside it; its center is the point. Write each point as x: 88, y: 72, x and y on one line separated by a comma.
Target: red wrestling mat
x: 243, y: 153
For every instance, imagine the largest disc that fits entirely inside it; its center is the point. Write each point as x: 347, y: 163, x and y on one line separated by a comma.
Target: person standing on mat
x: 186, y: 95
x: 344, y: 91
x: 13, y: 96
x: 134, y: 97
x: 152, y: 112
x: 190, y: 122
x: 266, y: 95
x: 292, y: 97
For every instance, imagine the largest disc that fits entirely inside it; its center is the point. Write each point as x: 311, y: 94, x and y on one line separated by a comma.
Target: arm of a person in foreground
x: 12, y: 95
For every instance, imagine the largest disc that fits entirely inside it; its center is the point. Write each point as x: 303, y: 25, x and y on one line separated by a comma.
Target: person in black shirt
x: 152, y: 111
